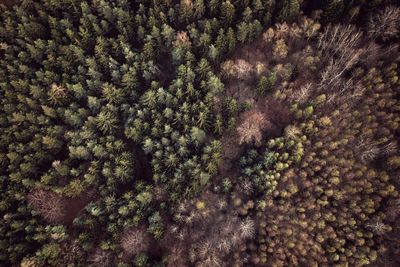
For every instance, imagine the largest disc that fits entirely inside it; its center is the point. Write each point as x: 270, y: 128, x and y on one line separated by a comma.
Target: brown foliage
x: 57, y: 93
x: 239, y: 69
x: 182, y: 40
x: 280, y: 49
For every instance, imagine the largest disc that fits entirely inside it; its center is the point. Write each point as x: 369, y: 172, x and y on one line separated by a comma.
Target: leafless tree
x: 282, y: 30
x: 340, y: 46
x: 368, y: 150
x: 243, y: 69
x: 385, y: 24
x: 345, y: 91
x: 101, y: 258
x: 213, y: 233
x: 246, y: 187
x: 331, y: 78
x: 176, y: 257
x: 292, y: 132
x: 50, y: 205
x: 393, y: 209
x: 247, y: 229
x: 389, y: 148
x: 302, y: 94
x: 378, y: 227
x: 251, y: 128
x: 135, y: 241
x: 339, y: 40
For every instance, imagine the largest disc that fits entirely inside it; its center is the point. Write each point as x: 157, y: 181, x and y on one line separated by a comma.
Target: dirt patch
x: 231, y: 151
x: 75, y: 205
x: 277, y: 113
x: 143, y: 167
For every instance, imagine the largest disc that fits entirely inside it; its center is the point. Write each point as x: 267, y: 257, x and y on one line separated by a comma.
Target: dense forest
x: 200, y: 133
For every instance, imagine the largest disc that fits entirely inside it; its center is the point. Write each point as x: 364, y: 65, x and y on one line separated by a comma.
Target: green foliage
x: 110, y: 105
x: 266, y: 83
x: 257, y: 167
x: 156, y: 226
x: 49, y: 254
x: 288, y: 10
x: 141, y: 260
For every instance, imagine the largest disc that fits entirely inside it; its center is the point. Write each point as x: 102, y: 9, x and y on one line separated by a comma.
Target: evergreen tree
x: 228, y: 11
x: 287, y: 10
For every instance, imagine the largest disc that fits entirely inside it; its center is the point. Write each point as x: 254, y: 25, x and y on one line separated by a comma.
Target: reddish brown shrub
x: 182, y: 40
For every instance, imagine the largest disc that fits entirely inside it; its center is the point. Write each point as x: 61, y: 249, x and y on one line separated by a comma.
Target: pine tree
x: 213, y: 53
x: 186, y: 10
x: 288, y: 10
x: 333, y: 10
x: 214, y: 6
x: 231, y: 39
x: 228, y: 12
x: 221, y: 42
x: 199, y: 8
x: 243, y: 32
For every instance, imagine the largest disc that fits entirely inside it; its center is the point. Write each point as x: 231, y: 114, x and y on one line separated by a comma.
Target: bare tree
x: 101, y: 258
x: 213, y: 232
x: 393, y: 209
x: 331, y: 78
x: 368, y: 150
x: 246, y: 187
x: 71, y: 250
x: 50, y: 205
x: 251, y: 128
x: 389, y: 148
x: 378, y: 227
x: 135, y: 241
x: 282, y: 30
x: 243, y: 69
x: 385, y: 24
x: 340, y: 45
x: 176, y: 257
x: 339, y: 40
x: 302, y: 94
x: 247, y: 229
